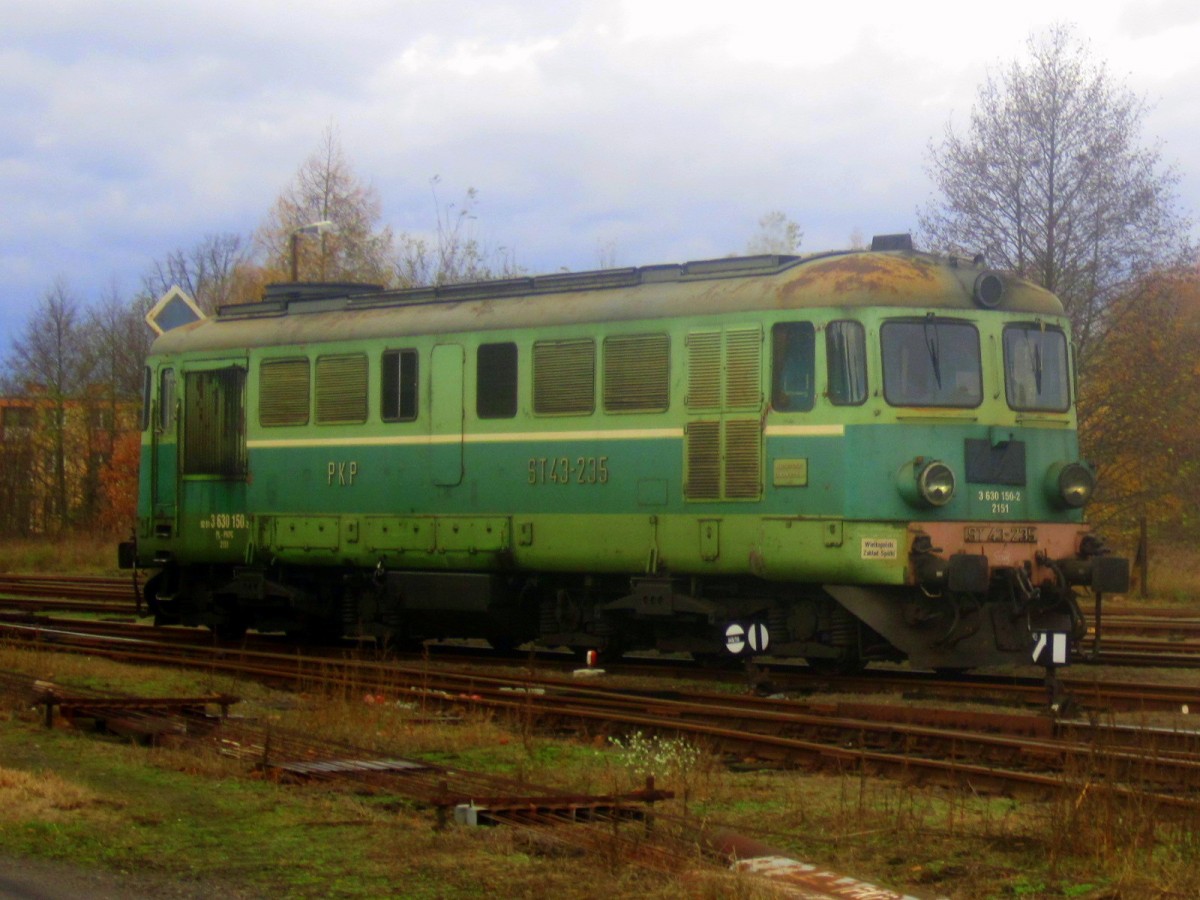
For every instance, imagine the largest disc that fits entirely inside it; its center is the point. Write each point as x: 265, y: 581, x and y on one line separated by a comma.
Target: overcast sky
x: 661, y: 130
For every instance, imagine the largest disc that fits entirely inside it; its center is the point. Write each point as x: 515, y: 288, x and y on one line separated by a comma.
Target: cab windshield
x: 931, y: 362
x: 1036, y: 374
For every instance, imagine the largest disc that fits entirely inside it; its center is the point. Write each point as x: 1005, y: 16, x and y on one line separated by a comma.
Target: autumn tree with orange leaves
x: 1139, y: 408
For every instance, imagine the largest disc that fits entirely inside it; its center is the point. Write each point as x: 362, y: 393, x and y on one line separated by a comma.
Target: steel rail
x: 602, y: 710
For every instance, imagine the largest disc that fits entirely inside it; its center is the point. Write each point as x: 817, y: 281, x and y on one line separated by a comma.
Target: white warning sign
x: 880, y: 548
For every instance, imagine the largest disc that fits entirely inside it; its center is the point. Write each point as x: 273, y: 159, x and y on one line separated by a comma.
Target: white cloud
x: 133, y: 127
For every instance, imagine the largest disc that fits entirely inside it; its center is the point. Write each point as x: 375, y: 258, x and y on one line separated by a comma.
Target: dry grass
x: 1081, y: 843
x: 81, y: 554
x: 46, y: 797
x: 1174, y: 577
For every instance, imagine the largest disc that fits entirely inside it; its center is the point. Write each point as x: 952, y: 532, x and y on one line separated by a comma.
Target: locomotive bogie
x: 852, y: 451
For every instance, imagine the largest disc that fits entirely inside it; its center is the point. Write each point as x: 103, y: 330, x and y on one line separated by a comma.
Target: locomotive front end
x: 987, y: 478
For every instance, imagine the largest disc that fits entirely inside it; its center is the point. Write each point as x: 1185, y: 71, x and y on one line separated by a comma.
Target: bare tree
x: 51, y: 362
x: 209, y: 272
x: 776, y: 234
x: 326, y: 189
x: 455, y: 253
x: 1052, y: 180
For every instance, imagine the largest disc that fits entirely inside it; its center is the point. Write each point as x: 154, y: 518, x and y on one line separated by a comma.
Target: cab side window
x: 846, y: 354
x: 793, y: 366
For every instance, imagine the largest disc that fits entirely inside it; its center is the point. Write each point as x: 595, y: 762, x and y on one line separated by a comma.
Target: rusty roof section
x: 900, y: 279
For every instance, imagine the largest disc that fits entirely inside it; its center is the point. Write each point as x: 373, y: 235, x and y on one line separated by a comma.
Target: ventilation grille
x: 724, y: 460
x: 724, y: 455
x: 214, y: 423
x: 743, y: 369
x: 704, y: 461
x: 637, y: 373
x: 564, y: 377
x: 283, y: 392
x: 743, y: 452
x: 725, y: 369
x: 704, y: 370
x: 341, y: 389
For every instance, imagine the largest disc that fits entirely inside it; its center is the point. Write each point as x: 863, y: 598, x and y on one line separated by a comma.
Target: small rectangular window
x: 283, y: 392
x: 496, y: 381
x: 793, y: 366
x: 637, y: 373
x: 342, y: 389
x: 18, y: 417
x: 399, y: 386
x: 564, y: 377
x: 166, y: 400
x: 846, y: 355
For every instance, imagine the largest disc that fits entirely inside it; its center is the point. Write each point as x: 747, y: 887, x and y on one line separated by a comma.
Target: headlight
x: 925, y: 483
x: 1070, y: 485
x: 935, y: 483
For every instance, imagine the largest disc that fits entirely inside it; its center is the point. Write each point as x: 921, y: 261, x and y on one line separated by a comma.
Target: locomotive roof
x: 295, y: 314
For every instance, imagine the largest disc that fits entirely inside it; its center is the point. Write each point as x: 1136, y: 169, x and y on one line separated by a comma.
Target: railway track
x: 1103, y: 698
x: 1011, y: 751
x: 1151, y: 637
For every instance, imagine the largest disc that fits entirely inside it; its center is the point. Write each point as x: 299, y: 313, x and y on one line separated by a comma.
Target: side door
x: 213, y: 460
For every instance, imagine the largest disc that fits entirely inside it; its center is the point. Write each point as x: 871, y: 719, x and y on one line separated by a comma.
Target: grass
x: 208, y: 822
x: 82, y: 554
x: 205, y: 822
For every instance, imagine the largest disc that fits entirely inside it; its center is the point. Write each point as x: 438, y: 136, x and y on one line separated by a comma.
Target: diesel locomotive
x: 846, y: 457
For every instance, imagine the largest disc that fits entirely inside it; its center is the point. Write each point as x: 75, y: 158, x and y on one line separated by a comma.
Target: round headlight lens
x: 1075, y: 485
x: 935, y: 482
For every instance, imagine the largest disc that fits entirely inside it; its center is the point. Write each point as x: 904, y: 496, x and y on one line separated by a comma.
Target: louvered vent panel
x: 564, y: 377
x: 283, y: 392
x: 704, y: 461
x: 743, y: 455
x: 743, y: 368
x: 341, y: 390
x: 704, y: 370
x: 637, y: 373
x: 214, y: 423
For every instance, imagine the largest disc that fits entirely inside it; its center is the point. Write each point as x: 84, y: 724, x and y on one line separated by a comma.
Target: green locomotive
x: 844, y: 457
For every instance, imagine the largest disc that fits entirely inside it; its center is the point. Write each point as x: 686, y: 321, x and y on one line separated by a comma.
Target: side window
x: 283, y: 389
x: 398, y: 388
x: 342, y: 389
x: 846, y: 354
x: 496, y: 381
x: 166, y: 400
x: 564, y: 377
x: 793, y: 366
x: 637, y: 373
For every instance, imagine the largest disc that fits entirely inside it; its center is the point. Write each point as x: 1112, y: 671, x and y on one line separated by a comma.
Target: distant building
x: 54, y: 455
